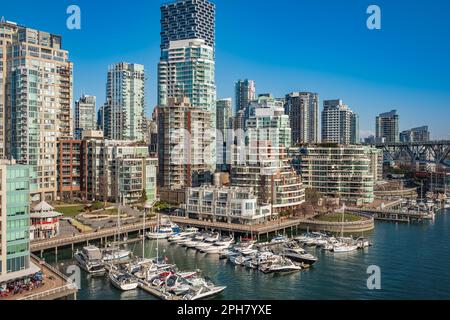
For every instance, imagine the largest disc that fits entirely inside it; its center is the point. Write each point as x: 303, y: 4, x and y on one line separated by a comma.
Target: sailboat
x: 122, y: 281
x: 343, y: 247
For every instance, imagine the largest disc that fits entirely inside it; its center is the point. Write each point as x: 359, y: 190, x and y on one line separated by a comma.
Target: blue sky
x: 284, y: 45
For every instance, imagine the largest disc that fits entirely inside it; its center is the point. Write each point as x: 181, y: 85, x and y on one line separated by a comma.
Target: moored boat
x: 90, y: 260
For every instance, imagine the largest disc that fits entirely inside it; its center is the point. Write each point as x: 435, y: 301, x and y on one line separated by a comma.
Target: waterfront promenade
x: 102, y: 235
x: 280, y: 226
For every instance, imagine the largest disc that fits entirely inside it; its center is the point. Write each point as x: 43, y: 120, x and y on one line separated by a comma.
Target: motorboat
x: 183, y: 241
x: 206, y: 244
x: 203, y: 292
x: 239, y: 260
x: 362, y: 242
x: 224, y: 242
x: 193, y: 241
x: 116, y: 255
x: 281, y: 265
x: 285, y: 266
x: 123, y: 281
x: 296, y: 255
x: 177, y: 285
x: 216, y: 249
x: 447, y: 203
x: 90, y: 260
x: 278, y: 240
x: 176, y: 238
x: 331, y: 244
x: 160, y: 235
x: 164, y: 231
x: 344, y: 248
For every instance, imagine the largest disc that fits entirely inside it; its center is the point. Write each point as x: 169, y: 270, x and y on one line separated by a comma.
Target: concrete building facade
x: 345, y: 172
x: 303, y: 111
x: 84, y: 115
x: 37, y: 101
x: 225, y: 204
x: 339, y: 123
x: 387, y: 127
x: 185, y: 141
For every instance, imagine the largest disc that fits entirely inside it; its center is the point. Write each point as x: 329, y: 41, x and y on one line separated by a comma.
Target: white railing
x: 48, y: 293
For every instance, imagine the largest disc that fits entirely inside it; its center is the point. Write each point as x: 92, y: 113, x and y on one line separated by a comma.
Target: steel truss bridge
x: 436, y: 152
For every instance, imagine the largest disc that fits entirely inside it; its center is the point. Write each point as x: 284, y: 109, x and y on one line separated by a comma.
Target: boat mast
x: 143, y: 233
x: 157, y: 238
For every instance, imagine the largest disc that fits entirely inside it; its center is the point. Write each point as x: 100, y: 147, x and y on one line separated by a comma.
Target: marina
x: 333, y: 276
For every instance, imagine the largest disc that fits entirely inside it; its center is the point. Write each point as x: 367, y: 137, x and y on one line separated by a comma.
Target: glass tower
x: 14, y: 217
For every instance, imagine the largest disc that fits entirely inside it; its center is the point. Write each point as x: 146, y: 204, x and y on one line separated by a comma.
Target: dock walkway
x: 42, y: 245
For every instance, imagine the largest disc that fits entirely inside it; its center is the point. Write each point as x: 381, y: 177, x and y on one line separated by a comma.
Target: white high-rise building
x: 187, y: 69
x: 262, y: 162
x: 339, y: 123
x: 124, y: 111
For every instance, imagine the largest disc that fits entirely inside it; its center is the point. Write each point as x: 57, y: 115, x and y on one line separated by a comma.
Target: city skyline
x: 380, y: 77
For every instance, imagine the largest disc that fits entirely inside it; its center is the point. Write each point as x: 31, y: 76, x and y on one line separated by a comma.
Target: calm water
x: 414, y: 261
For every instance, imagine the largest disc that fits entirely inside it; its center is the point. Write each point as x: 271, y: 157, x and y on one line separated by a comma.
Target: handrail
x: 39, y: 296
x: 88, y: 236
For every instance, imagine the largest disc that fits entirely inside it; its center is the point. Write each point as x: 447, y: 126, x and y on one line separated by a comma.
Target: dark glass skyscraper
x: 188, y: 19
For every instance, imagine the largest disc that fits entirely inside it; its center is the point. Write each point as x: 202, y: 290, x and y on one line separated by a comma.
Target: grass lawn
x: 71, y: 211
x: 337, y: 217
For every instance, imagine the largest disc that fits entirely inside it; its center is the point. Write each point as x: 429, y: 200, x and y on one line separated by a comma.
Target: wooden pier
x: 85, y: 238
x: 275, y: 227
x: 393, y: 215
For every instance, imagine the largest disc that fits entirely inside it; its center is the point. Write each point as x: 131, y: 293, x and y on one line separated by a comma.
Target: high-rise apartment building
x: 420, y: 134
x: 123, y: 114
x: 266, y: 101
x: 387, y: 127
x: 345, y: 172
x: 37, y: 101
x: 262, y: 163
x: 187, y: 65
x: 84, y: 115
x: 188, y: 19
x: 185, y: 142
x: 224, y: 123
x: 117, y: 170
x: 69, y: 169
x: 245, y: 92
x: 303, y: 111
x: 187, y: 69
x: 15, y: 186
x: 339, y: 123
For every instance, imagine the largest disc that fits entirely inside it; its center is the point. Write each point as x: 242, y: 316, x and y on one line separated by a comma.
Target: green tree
x: 144, y: 197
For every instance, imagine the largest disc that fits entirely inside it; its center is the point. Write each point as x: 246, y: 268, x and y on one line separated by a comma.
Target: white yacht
x: 280, y: 266
x: 447, y: 203
x: 342, y: 248
x: 299, y: 256
x: 206, y: 244
x: 123, y: 281
x: 90, y: 260
x: 116, y: 255
x: 203, y: 292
